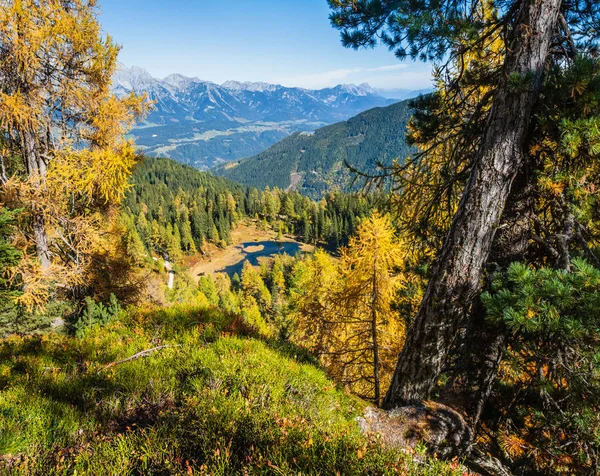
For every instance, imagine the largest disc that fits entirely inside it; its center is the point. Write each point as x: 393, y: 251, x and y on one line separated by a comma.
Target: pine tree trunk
x: 458, y: 272
x: 482, y: 343
x: 486, y: 341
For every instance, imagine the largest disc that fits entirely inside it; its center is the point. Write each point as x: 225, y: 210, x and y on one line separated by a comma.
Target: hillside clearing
x: 165, y: 392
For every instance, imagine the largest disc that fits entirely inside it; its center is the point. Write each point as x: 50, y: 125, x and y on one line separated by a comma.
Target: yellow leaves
x: 513, y: 445
x: 21, y: 34
x: 341, y: 300
x: 555, y: 188
x: 38, y: 285
x: 99, y: 175
x: 79, y: 243
x: 55, y: 77
x: 114, y: 117
x: 15, y: 113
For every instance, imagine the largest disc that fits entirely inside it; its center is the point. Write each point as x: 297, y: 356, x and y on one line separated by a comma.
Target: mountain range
x: 313, y: 163
x: 205, y: 124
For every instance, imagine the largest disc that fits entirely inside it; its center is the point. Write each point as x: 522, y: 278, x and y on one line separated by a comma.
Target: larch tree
x: 63, y: 157
x: 448, y: 30
x: 345, y: 310
x: 367, y: 325
x: 253, y: 286
x: 316, y: 280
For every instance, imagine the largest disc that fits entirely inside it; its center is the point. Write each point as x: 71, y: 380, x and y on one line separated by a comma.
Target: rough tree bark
x: 36, y: 169
x: 482, y: 343
x: 457, y: 275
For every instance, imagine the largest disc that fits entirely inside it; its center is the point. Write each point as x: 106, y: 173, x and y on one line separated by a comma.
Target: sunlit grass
x: 207, y: 401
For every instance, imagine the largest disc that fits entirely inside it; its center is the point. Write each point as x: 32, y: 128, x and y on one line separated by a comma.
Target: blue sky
x: 289, y: 42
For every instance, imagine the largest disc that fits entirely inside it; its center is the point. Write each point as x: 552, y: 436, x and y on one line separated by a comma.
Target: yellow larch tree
x: 371, y: 329
x: 347, y: 311
x: 63, y: 156
x: 316, y: 282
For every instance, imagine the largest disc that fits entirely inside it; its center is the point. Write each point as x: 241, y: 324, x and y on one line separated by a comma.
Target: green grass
x: 215, y: 401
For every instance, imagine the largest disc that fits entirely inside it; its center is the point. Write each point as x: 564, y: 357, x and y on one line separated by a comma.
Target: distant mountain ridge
x: 313, y: 163
x: 202, y: 123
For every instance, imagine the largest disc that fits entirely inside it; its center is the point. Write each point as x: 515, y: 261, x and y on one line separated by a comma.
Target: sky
x: 288, y: 42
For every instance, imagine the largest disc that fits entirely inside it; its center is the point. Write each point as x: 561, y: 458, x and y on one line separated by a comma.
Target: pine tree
x: 550, y: 376
x: 173, y: 243
x: 9, y: 257
x: 208, y: 288
x: 133, y: 242
x: 145, y: 229
x: 187, y: 241
x: 527, y: 28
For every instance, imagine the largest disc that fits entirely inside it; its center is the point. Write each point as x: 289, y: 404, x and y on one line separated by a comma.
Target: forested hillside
x: 174, y: 209
x: 314, y: 164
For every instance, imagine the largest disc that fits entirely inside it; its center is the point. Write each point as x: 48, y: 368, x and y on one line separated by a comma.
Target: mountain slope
x: 314, y: 163
x: 210, y: 399
x: 202, y: 123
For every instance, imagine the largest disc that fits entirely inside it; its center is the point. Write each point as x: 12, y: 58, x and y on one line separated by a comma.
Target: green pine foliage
x: 9, y: 256
x: 177, y: 208
x: 550, y: 380
x: 15, y: 318
x: 174, y: 210
x: 318, y: 160
x: 96, y: 314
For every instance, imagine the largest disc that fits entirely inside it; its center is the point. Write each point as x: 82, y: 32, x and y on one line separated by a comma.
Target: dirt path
x: 295, y: 179
x: 217, y: 259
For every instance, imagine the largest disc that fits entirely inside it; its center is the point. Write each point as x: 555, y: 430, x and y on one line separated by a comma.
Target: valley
x: 204, y: 124
x: 314, y: 164
x: 330, y: 269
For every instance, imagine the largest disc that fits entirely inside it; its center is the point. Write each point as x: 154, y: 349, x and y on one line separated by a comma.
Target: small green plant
x: 97, y: 314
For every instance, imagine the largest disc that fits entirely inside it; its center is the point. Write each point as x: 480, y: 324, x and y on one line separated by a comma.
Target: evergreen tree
x: 526, y: 28
x: 551, y: 372
x: 133, y: 242
x: 9, y: 257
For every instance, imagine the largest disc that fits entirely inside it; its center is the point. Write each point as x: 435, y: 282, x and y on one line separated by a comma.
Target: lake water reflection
x: 254, y: 250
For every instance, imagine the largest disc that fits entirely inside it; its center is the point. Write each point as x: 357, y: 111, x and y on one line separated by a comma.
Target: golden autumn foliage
x: 373, y: 330
x: 347, y: 312
x: 64, y: 159
x: 317, y: 282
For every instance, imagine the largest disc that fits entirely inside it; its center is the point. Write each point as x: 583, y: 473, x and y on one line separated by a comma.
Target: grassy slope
x: 377, y: 135
x: 215, y: 401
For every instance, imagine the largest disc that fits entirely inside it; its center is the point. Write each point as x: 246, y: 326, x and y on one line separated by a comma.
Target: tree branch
x: 139, y: 355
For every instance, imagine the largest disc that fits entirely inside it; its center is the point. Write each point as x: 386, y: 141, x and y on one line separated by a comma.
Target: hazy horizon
x: 292, y: 44
x: 383, y: 91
